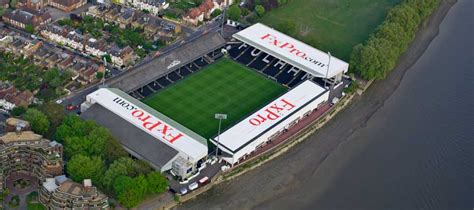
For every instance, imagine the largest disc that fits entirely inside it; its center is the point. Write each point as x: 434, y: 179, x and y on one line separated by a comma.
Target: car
x: 193, y: 186
x: 71, y: 107
x: 59, y: 101
x: 183, y: 191
x: 204, y: 180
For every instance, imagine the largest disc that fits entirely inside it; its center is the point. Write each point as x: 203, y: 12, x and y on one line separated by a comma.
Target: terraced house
x: 20, y: 18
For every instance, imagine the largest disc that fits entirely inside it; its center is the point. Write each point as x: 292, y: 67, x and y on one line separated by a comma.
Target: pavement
x: 20, y: 192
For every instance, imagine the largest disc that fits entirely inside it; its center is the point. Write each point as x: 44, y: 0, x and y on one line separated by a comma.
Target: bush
x: 39, y: 121
x: 234, y: 12
x: 379, y: 55
x: 260, y: 10
x: 17, y: 111
x: 216, y: 13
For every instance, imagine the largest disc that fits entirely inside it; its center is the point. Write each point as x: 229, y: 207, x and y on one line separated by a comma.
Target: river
x: 412, y: 149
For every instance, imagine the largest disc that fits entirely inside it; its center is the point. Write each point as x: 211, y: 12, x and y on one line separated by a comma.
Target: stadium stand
x: 154, y: 85
x: 173, y: 76
x: 147, y: 72
x: 163, y: 81
x: 268, y: 65
x: 201, y: 62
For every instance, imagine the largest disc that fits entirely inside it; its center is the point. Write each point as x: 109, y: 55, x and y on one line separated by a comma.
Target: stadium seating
x: 261, y: 61
x: 192, y: 67
x: 163, y: 81
x: 274, y: 68
x: 248, y: 55
x: 201, y: 62
x: 154, y: 85
x: 287, y: 74
x: 300, y: 77
x: 184, y: 72
x: 173, y: 76
x: 145, y: 91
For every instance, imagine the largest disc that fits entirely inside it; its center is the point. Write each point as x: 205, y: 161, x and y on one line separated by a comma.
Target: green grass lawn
x: 223, y: 87
x: 330, y: 25
x: 35, y: 206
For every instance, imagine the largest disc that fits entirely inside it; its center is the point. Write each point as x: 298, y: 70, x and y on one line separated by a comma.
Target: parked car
x: 183, y: 191
x: 204, y: 180
x: 72, y: 107
x: 193, y: 186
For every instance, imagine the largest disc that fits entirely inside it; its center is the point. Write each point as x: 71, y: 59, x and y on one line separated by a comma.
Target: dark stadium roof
x: 148, y: 72
x: 131, y: 137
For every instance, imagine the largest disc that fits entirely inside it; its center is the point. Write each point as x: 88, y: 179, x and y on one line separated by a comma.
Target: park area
x: 223, y: 87
x: 330, y: 25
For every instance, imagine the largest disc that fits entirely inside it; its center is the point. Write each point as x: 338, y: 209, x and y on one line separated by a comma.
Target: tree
x: 282, y: 2
x: 82, y: 167
x: 39, y: 122
x: 260, y: 10
x: 127, y: 191
x: 92, y: 144
x: 30, y: 29
x: 216, y: 13
x: 99, y: 75
x: 234, y: 12
x: 120, y: 167
x: 74, y: 126
x: 18, y: 110
x: 107, y: 58
x: 157, y: 183
x: 55, y: 113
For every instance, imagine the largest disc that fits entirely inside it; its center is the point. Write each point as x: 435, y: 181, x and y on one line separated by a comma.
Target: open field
x: 223, y: 87
x: 330, y: 25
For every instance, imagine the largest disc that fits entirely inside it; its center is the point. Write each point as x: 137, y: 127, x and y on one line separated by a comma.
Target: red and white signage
x: 291, y: 51
x: 270, y: 115
x: 134, y: 113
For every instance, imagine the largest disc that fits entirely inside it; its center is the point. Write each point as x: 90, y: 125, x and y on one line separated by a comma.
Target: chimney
x: 87, y: 185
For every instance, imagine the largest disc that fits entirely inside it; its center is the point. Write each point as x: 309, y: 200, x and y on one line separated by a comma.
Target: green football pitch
x: 223, y: 87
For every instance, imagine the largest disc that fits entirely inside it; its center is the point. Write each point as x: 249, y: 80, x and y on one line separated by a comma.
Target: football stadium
x: 264, y: 81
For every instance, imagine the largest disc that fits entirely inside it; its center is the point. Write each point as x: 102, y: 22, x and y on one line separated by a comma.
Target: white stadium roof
x: 291, y: 51
x: 150, y: 121
x: 272, y: 114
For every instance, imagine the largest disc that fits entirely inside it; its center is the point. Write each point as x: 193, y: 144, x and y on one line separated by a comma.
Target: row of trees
x: 379, y: 55
x: 91, y: 152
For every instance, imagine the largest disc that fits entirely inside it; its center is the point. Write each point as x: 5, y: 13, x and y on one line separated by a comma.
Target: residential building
x: 120, y: 57
x: 62, y: 193
x: 67, y: 5
x: 4, y: 4
x: 95, y: 47
x: 20, y: 18
x: 32, y: 4
x: 152, y: 6
x: 23, y: 151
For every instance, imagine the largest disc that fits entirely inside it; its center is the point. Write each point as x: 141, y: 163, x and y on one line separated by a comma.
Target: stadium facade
x: 269, y: 122
x: 167, y: 145
x: 144, y: 132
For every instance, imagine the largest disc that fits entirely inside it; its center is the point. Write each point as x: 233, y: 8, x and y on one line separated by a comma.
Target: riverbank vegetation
x: 329, y: 25
x: 380, y: 53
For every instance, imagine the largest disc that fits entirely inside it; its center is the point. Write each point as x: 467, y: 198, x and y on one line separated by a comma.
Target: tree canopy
x: 375, y: 58
x: 234, y: 12
x: 82, y: 167
x: 39, y: 122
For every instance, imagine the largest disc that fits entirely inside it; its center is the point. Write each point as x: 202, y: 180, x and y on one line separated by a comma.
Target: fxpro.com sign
x: 135, y: 114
